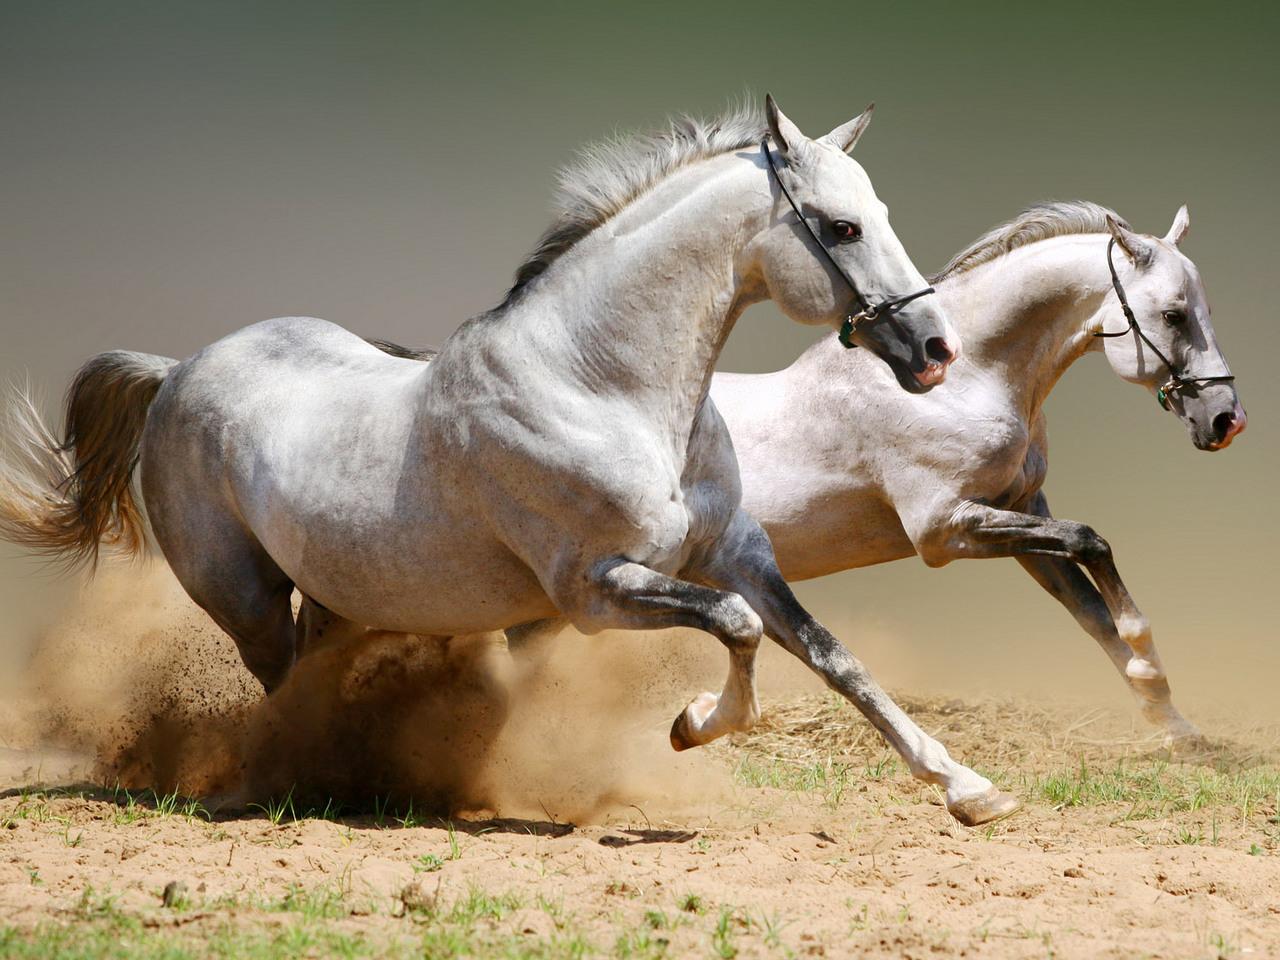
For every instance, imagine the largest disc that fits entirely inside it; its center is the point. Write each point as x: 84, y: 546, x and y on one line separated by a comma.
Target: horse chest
x: 1014, y: 473
x: 991, y: 457
x: 1029, y: 478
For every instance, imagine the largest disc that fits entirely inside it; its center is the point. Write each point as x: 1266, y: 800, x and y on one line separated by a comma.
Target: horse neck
x: 642, y: 305
x: 1027, y: 316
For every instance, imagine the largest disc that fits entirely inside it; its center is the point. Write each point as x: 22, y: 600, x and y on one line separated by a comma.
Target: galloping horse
x: 958, y: 474
x: 559, y: 457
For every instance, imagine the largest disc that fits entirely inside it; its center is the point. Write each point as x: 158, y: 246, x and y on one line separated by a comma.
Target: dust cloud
x: 139, y: 682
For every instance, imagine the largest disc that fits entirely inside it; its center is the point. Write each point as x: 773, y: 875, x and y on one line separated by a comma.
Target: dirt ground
x: 552, y: 820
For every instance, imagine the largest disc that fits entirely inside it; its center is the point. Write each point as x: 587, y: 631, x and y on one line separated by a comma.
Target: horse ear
x: 1138, y: 249
x: 786, y: 135
x: 846, y: 135
x: 1181, y: 227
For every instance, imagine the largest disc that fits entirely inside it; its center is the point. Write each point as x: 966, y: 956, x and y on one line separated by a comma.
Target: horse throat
x: 1026, y: 315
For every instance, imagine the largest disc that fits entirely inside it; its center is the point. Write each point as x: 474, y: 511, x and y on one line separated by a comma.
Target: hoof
x: 984, y: 808
x: 685, y: 730
x: 1188, y: 742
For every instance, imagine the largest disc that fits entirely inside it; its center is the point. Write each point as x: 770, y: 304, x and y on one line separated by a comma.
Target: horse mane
x: 1040, y: 221
x: 607, y: 176
x: 403, y: 352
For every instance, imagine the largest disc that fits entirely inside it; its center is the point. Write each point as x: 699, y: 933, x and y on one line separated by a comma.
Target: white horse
x: 558, y: 457
x: 958, y: 473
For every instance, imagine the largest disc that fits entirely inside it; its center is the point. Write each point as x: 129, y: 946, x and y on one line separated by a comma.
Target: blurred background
x: 172, y: 171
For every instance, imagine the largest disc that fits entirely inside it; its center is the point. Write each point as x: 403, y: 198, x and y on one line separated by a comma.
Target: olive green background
x: 172, y: 171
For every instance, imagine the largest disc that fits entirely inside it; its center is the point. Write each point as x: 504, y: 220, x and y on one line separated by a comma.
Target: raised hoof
x: 681, y: 736
x: 684, y: 730
x: 984, y: 808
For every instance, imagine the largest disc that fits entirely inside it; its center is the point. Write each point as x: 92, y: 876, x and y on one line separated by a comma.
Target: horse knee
x: 735, y: 623
x: 1088, y: 545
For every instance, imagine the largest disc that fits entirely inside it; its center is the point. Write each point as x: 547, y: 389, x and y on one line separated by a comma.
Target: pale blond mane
x: 607, y: 176
x: 1040, y: 221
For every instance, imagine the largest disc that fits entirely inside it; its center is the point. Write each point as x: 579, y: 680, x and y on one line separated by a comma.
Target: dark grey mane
x: 609, y: 175
x: 1040, y: 221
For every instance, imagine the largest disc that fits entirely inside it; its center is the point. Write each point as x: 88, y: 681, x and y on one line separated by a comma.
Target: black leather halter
x: 866, y: 312
x: 1176, y: 382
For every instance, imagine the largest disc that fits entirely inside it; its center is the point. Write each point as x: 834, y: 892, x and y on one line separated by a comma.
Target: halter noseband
x: 1176, y: 382
x: 866, y: 313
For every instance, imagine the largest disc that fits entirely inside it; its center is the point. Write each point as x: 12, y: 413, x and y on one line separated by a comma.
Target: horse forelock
x: 1040, y: 221
x: 609, y: 175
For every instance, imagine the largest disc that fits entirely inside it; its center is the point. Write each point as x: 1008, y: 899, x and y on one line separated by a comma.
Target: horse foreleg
x: 1068, y: 584
x: 990, y: 532
x: 631, y: 596
x: 747, y: 565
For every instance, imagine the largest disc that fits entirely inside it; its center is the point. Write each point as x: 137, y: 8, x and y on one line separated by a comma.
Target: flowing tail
x: 70, y: 498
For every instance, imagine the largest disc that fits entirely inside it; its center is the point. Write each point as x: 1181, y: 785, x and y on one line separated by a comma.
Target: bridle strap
x: 866, y: 312
x: 1176, y: 382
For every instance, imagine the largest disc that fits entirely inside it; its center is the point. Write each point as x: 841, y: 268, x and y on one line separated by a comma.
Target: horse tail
x: 69, y: 498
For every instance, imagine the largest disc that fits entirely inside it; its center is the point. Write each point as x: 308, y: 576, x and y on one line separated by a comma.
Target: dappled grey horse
x: 559, y: 456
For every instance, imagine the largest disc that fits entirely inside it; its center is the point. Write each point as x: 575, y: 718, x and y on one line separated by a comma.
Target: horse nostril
x: 1223, y: 423
x: 938, y: 350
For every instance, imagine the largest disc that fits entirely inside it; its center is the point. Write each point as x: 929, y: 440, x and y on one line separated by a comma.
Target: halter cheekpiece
x: 1176, y: 382
x: 866, y: 312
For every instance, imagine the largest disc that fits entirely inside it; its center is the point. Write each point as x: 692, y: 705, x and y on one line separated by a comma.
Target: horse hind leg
x: 258, y: 615
x: 231, y: 577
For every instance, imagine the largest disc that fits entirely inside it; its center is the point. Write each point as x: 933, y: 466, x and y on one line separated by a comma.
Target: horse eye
x: 845, y: 231
x: 1173, y: 317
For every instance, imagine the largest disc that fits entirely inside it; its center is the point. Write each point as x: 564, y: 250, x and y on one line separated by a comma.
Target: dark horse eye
x: 845, y: 231
x: 1173, y: 317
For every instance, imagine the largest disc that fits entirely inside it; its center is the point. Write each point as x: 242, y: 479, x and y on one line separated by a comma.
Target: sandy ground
x: 551, y: 818
x: 864, y: 865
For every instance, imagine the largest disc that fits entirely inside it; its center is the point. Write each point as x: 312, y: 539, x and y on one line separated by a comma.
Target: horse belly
x: 847, y: 535
x: 436, y: 585
x: 392, y: 540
